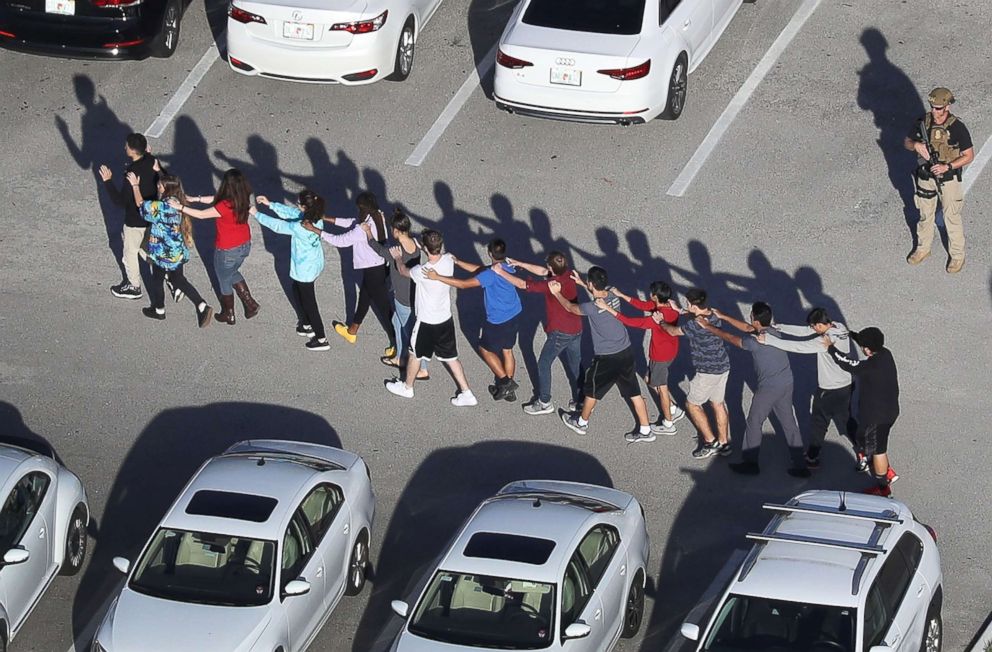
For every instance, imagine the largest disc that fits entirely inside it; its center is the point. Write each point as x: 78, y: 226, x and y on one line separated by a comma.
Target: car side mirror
x: 690, y: 631
x: 577, y: 630
x: 297, y: 587
x: 123, y: 565
x: 15, y: 556
x: 400, y: 608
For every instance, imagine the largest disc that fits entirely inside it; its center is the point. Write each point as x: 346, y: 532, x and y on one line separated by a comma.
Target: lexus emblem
x: 297, y: 16
x: 564, y: 61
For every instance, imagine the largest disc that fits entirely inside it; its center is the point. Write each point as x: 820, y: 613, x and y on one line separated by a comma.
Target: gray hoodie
x: 828, y: 374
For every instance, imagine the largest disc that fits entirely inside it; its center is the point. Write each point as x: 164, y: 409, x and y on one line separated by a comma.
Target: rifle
x: 924, y: 170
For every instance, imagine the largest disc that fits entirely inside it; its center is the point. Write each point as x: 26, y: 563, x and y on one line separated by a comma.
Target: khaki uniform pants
x: 133, y: 237
x: 952, y: 198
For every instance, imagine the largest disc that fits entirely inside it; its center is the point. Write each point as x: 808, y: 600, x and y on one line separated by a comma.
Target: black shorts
x: 434, y: 340
x: 874, y: 438
x: 605, y: 371
x: 499, y: 337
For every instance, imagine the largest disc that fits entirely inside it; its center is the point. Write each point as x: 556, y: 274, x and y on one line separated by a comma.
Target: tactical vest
x: 940, y: 138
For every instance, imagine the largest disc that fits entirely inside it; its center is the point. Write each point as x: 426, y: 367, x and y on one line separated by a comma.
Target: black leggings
x: 306, y: 307
x: 178, y: 280
x: 374, y: 289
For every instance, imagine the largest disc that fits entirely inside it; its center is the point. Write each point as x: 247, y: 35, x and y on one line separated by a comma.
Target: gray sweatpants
x: 775, y: 400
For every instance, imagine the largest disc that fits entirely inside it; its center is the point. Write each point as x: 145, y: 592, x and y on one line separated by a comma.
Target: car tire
x: 933, y: 632
x: 633, y: 612
x: 168, y: 36
x: 358, y: 564
x: 678, y: 83
x: 405, y: 51
x: 76, y: 542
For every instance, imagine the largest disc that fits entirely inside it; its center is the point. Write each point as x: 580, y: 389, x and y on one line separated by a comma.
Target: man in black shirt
x: 951, y: 143
x: 143, y: 165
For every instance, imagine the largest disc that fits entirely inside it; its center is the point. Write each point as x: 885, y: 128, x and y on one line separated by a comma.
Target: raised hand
x: 263, y: 200
x: 761, y: 338
x: 601, y: 304
x: 309, y: 226
x: 431, y: 273
x: 105, y: 173
x: 367, y: 227
x: 826, y: 341
x: 555, y: 287
x: 577, y: 278
x: 174, y: 203
x: 133, y: 178
x: 396, y: 252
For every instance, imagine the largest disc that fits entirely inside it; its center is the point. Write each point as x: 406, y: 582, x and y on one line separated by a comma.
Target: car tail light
x: 933, y: 532
x: 242, y: 16
x: 362, y: 26
x: 116, y: 4
x: 123, y: 44
x: 361, y: 76
x: 626, y: 74
x: 7, y: 34
x: 238, y: 63
x: 505, y: 60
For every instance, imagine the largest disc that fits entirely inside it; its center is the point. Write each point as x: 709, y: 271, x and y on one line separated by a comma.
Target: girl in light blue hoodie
x: 306, y: 259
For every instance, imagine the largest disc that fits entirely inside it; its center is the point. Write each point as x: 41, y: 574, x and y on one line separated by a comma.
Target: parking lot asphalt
x: 803, y: 202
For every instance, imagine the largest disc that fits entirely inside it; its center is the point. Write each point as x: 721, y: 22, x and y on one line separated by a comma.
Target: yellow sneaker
x: 954, y: 265
x: 389, y: 352
x: 342, y: 330
x: 918, y: 256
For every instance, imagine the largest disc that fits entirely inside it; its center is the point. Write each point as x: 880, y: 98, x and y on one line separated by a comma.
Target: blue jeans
x: 403, y: 322
x: 557, y: 343
x: 227, y: 262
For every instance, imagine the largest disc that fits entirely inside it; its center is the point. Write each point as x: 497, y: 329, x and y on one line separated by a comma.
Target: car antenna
x: 843, y: 503
x: 536, y: 503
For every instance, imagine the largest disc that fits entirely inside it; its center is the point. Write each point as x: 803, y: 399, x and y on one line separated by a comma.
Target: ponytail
x: 313, y: 206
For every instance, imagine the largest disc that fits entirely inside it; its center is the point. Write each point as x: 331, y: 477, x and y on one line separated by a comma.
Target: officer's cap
x: 940, y: 96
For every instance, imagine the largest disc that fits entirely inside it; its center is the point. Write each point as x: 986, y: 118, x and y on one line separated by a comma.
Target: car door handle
x: 686, y: 24
x: 41, y: 533
x: 598, y: 614
x: 623, y: 570
x: 919, y: 591
x: 320, y: 572
x: 347, y: 528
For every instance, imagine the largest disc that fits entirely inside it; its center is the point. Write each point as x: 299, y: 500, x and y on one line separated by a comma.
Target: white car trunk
x: 564, y: 59
x: 303, y: 23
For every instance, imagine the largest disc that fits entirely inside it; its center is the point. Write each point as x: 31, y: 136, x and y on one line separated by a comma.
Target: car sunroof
x: 509, y: 547
x: 226, y: 504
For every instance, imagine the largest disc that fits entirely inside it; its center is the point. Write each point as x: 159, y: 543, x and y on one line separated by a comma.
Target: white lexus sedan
x: 542, y: 565
x: 605, y: 61
x: 331, y: 42
x: 42, y: 529
x: 252, y: 557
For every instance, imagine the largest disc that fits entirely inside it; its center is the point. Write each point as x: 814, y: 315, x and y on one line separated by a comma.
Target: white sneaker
x: 399, y: 388
x: 677, y: 413
x: 663, y: 428
x: 462, y: 399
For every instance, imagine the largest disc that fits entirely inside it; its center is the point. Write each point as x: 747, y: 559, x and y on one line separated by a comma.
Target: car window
x: 892, y: 581
x: 319, y: 509
x: 575, y: 591
x: 597, y: 549
x: 757, y: 623
x: 296, y: 549
x: 598, y: 16
x: 911, y: 549
x: 20, y: 508
x: 876, y: 620
x: 665, y: 9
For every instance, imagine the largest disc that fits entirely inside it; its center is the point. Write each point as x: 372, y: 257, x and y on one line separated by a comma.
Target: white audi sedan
x: 605, y: 61
x: 42, y: 529
x: 334, y: 42
x: 542, y: 565
x: 252, y: 557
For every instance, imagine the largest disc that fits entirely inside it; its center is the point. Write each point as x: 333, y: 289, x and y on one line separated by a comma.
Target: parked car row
x: 266, y: 538
x: 622, y: 62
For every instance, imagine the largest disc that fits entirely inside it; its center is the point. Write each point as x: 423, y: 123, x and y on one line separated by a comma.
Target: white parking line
x: 85, y: 638
x: 737, y: 103
x: 182, y: 94
x: 984, y: 154
x: 434, y: 134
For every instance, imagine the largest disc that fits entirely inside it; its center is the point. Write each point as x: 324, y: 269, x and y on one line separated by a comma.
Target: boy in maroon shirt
x: 563, y: 329
x: 662, y: 348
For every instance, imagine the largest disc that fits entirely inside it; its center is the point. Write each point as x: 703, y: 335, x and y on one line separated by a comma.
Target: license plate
x: 64, y: 7
x: 299, y: 31
x: 566, y: 76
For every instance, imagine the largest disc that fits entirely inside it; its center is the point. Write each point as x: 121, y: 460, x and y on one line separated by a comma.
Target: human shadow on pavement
x: 719, y: 510
x: 443, y: 492
x: 102, y: 143
x: 14, y: 431
x: 158, y: 465
x: 890, y: 95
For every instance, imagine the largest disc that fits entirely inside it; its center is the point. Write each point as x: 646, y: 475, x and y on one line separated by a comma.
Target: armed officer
x: 944, y: 146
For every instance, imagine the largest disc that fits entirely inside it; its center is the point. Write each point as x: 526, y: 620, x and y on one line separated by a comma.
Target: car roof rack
x: 869, y: 550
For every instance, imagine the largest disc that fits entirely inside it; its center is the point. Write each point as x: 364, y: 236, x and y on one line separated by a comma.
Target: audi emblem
x: 297, y: 16
x: 564, y: 61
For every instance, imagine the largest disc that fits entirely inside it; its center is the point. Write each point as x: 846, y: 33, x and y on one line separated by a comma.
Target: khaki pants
x: 951, y: 198
x: 133, y: 237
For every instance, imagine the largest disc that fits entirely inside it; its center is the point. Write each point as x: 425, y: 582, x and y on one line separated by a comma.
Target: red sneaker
x: 891, y: 475
x: 877, y: 490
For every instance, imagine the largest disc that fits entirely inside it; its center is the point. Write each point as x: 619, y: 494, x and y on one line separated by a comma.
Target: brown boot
x: 226, y: 315
x: 250, y: 305
x: 918, y: 256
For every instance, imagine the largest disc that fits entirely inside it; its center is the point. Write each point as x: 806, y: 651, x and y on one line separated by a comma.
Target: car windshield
x: 486, y: 611
x: 600, y: 16
x: 215, y: 569
x: 750, y: 623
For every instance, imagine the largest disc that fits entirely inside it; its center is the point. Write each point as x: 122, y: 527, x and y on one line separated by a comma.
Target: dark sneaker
x: 304, y: 330
x: 572, y: 421
x: 318, y: 344
x: 799, y: 472
x: 637, y: 436
x: 812, y: 462
x: 151, y: 313
x: 878, y: 490
x: 891, y: 475
x: 504, y: 391
x: 177, y: 294
x: 707, y: 450
x: 724, y: 450
x: 126, y: 291
x: 745, y: 468
x: 862, y: 465
x: 203, y: 316
x: 536, y: 407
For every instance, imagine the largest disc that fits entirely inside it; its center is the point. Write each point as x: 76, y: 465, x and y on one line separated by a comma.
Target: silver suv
x: 832, y: 572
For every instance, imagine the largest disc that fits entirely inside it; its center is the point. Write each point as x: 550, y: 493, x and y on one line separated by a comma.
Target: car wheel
x: 75, y: 542
x: 358, y: 565
x: 405, y: 48
x: 934, y: 632
x: 168, y: 37
x: 634, y: 608
x: 678, y: 85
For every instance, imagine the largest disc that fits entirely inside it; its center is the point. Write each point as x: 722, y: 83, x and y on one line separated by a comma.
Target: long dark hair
x: 172, y: 187
x: 235, y: 189
x: 368, y: 206
x: 313, y: 206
